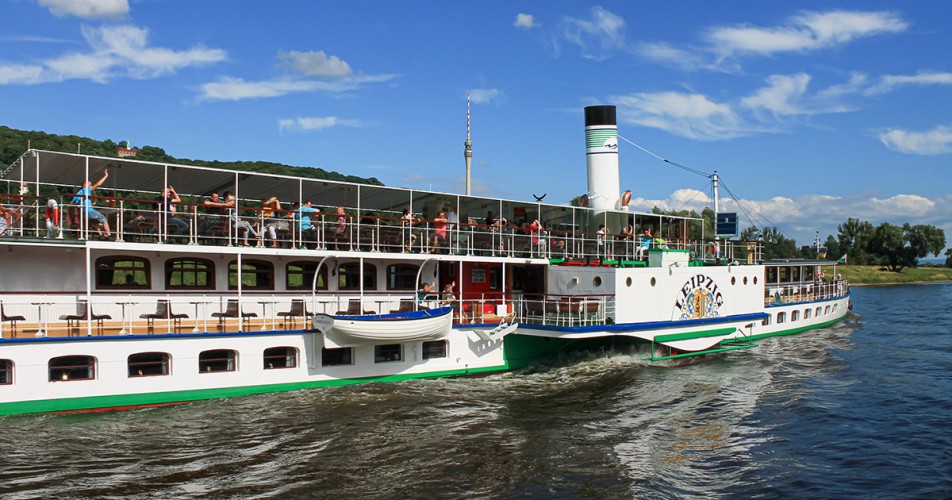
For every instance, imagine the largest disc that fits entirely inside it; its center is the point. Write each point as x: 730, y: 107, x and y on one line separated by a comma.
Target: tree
x: 896, y: 247
x: 852, y: 237
x: 778, y: 246
x: 833, y: 250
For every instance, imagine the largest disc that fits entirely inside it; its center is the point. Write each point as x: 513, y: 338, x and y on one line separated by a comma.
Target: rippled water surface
x: 860, y: 409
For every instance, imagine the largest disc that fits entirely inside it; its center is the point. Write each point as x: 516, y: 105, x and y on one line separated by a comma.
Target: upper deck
x: 346, y: 216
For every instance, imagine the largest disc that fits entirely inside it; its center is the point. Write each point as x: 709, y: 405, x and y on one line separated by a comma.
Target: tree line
x: 14, y: 143
x: 887, y: 245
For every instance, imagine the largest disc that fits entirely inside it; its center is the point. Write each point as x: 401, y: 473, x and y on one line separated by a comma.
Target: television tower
x: 468, y: 149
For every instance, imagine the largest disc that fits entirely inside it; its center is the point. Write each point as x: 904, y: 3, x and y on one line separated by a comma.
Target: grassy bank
x: 872, y: 275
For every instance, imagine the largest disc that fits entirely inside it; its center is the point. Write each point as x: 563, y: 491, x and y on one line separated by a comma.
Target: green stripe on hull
x: 163, y: 398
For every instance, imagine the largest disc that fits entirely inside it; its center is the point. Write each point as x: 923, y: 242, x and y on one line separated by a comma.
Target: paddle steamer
x: 169, y: 304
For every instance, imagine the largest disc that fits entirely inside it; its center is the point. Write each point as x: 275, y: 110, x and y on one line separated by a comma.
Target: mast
x: 717, y: 202
x: 468, y: 148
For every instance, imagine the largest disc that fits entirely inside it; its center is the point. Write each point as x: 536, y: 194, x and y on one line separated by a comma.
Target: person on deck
x: 439, y: 231
x: 231, y: 204
x: 83, y: 196
x: 339, y: 229
x: 302, y: 218
x: 165, y: 206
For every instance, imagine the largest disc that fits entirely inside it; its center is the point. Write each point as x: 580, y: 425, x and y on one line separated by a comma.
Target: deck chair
x: 12, y: 319
x: 354, y: 308
x: 83, y: 313
x: 232, y: 310
x: 298, y: 310
x: 163, y: 310
x: 406, y: 305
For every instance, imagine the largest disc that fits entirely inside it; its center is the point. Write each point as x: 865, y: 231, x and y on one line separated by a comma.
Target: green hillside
x: 14, y: 143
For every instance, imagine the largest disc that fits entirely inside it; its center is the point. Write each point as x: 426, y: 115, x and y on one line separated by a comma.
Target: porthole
x: 628, y: 281
x: 653, y: 282
x: 597, y: 281
x: 755, y: 280
x: 745, y: 280
x: 733, y: 280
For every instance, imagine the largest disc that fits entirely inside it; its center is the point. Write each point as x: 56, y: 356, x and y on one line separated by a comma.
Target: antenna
x: 468, y: 148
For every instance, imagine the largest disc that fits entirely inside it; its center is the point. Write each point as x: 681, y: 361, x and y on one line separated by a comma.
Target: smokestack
x: 601, y: 155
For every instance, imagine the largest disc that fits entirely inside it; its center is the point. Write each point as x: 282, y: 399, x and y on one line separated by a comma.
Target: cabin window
x: 64, y: 368
x: 6, y: 372
x: 217, y: 360
x: 807, y: 313
x: 402, y: 276
x: 337, y: 357
x: 795, y: 274
x: 122, y: 272
x: 255, y: 275
x: 348, y: 276
x: 781, y: 317
x: 300, y: 276
x: 280, y: 357
x: 818, y: 311
x: 808, y: 273
x: 755, y: 280
x: 733, y: 280
x: 190, y: 274
x: 834, y: 307
x: 827, y: 310
x: 772, y: 275
x: 387, y: 353
x: 148, y: 364
x: 434, y: 349
x: 784, y: 274
x: 745, y: 280
x: 628, y: 281
x: 795, y: 315
x: 766, y: 321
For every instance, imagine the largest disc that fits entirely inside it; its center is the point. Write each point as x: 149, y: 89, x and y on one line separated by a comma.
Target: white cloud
x: 115, y: 52
x: 234, y: 89
x: 89, y: 9
x: 780, y: 95
x: 310, y: 123
x: 315, y: 64
x: 486, y: 96
x: 931, y: 142
x: 806, y: 32
x: 888, y: 83
x: 669, y: 54
x: 902, y: 205
x: 525, y: 21
x: 599, y: 37
x: 687, y: 115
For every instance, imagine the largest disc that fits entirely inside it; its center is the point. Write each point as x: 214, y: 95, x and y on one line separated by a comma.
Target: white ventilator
x: 601, y: 155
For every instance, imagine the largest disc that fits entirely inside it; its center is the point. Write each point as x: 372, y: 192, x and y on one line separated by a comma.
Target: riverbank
x: 873, y: 275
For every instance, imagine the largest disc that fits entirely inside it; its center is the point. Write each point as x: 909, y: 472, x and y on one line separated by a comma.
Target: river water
x: 860, y: 409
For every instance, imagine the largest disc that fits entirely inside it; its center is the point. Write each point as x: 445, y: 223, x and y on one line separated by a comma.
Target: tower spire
x: 468, y: 147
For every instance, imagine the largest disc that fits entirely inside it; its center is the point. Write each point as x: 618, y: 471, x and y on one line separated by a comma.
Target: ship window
x: 217, y: 360
x: 597, y: 281
x: 120, y: 271
x: 280, y: 357
x: 255, y: 275
x: 733, y: 280
x: 827, y: 310
x: 148, y: 364
x: 628, y: 281
x: 6, y: 372
x: 434, y: 349
x: 64, y: 368
x: 653, y: 281
x: 337, y: 357
x: 766, y: 321
x: 755, y: 280
x: 772, y: 275
x: 781, y: 317
x: 795, y: 273
x: 745, y: 280
x: 387, y: 353
x: 402, y: 276
x: 818, y: 311
x: 795, y: 315
x: 348, y: 276
x: 807, y: 313
x: 193, y: 274
x: 300, y: 276
x: 834, y: 307
x: 785, y: 274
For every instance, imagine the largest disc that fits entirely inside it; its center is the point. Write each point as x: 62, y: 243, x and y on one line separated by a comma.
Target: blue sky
x: 811, y: 113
